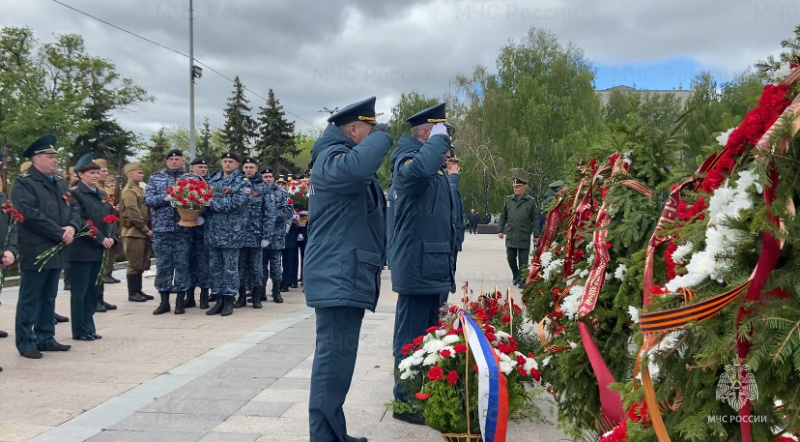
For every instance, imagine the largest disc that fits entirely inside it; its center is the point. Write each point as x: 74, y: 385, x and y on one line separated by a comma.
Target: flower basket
x: 188, y: 217
x: 453, y: 437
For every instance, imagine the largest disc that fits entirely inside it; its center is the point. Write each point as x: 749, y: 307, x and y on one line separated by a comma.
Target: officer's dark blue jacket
x: 389, y: 224
x: 283, y: 215
x: 163, y: 217
x: 422, y: 250
x: 346, y: 221
x: 260, y: 214
x: 225, y: 227
x: 458, y: 211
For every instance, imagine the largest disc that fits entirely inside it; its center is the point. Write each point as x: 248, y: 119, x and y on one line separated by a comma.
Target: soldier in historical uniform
x: 103, y: 185
x: 422, y: 251
x: 517, y: 223
x: 171, y: 242
x: 198, y: 255
x: 345, y: 254
x: 137, y: 238
x: 9, y: 247
x: 260, y: 215
x: 86, y: 254
x: 50, y: 218
x: 272, y: 252
x: 225, y: 231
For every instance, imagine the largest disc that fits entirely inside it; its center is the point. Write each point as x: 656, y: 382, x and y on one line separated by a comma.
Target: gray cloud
x: 330, y: 53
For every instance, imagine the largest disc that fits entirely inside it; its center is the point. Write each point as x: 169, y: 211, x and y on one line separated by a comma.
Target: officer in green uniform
x: 50, y: 218
x: 517, y: 222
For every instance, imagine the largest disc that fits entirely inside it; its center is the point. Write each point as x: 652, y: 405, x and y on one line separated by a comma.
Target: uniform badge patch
x: 226, y: 191
x: 247, y: 190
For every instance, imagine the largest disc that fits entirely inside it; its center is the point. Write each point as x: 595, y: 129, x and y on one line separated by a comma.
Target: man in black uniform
x: 50, y: 218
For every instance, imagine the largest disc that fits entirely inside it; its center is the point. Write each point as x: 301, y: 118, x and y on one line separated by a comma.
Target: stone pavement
x: 194, y: 377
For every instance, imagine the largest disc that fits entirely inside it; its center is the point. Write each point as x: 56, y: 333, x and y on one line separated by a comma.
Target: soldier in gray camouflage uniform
x: 258, y: 231
x: 171, y: 242
x: 225, y: 231
x: 272, y: 253
x: 198, y: 256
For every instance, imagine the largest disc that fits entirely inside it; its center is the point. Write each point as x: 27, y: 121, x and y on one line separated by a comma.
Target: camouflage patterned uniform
x: 272, y: 253
x: 260, y: 221
x: 171, y: 242
x: 225, y: 229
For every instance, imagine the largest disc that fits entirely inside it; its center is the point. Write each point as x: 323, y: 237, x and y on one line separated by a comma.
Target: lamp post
x: 194, y: 72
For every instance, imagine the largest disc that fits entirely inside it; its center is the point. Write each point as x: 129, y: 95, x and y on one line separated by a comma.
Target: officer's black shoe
x: 136, y: 297
x: 256, y: 302
x: 214, y: 297
x: 31, y: 354
x: 83, y: 338
x: 52, y: 345
x: 113, y: 279
x: 100, y: 308
x: 109, y: 280
x: 348, y: 438
x: 227, y: 305
x: 164, y: 306
x: 3, y: 334
x: 180, y: 306
x: 284, y: 289
x: 294, y: 286
x: 217, y: 309
x: 96, y: 336
x: 189, y: 303
x: 277, y: 298
x: 60, y: 318
x: 107, y: 305
x: 411, y: 418
x: 146, y: 296
x: 203, y: 298
x: 242, y: 300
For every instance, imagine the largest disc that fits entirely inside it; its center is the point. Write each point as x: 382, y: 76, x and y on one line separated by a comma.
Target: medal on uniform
x: 67, y: 197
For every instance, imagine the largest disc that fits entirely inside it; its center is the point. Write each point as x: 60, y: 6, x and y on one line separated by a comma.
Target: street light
x: 194, y: 72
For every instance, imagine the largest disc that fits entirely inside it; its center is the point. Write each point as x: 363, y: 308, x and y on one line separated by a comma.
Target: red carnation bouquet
x: 298, y: 193
x: 189, y: 197
x: 109, y: 220
x: 87, y: 230
x: 14, y: 218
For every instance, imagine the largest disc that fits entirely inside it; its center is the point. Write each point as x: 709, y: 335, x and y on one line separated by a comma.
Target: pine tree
x: 240, y: 128
x: 156, y: 156
x: 206, y: 149
x: 276, y: 142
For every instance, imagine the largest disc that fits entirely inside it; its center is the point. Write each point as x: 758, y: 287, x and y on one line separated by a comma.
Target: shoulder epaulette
x: 59, y: 177
x: 510, y: 196
x: 24, y: 175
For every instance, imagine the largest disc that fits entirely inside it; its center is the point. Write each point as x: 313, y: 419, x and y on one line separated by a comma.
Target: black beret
x: 232, y: 155
x: 174, y: 153
x: 268, y: 170
x: 198, y: 160
x: 250, y: 160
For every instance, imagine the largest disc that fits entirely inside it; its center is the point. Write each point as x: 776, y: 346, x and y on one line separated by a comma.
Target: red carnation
x: 491, y: 336
x: 300, y: 194
x: 460, y: 348
x: 521, y: 370
x: 289, y: 200
x: 407, y: 348
x: 431, y: 329
x: 435, y: 373
x: 535, y: 374
x: 418, y: 340
x: 505, y: 348
x: 445, y: 353
x: 422, y: 396
x: 109, y: 219
x: 506, y: 319
x: 452, y: 377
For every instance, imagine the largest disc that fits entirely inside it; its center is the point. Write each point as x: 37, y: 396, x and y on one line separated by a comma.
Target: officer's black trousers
x: 338, y: 330
x: 289, y: 257
x: 36, y: 308
x: 517, y: 258
x: 414, y: 314
x: 83, y: 297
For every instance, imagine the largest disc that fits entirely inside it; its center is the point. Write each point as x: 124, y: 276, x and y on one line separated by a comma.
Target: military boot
x: 180, y: 303
x: 217, y: 306
x: 263, y: 295
x: 276, y: 292
x: 134, y: 287
x: 256, y: 297
x: 214, y: 297
x: 164, y: 306
x: 189, y: 303
x: 242, y: 301
x: 203, y: 298
x: 227, y: 305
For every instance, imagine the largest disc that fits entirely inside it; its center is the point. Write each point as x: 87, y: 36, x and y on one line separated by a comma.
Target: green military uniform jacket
x: 46, y: 207
x: 133, y: 213
x: 517, y: 221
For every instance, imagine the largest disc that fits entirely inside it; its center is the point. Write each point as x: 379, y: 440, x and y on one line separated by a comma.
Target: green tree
x: 155, y: 158
x: 276, y: 142
x: 209, y: 148
x: 304, y: 142
x: 239, y: 128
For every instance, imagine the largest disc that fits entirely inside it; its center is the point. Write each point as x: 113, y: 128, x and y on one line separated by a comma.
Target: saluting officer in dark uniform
x: 345, y: 253
x: 516, y: 224
x: 422, y: 251
x: 50, y: 218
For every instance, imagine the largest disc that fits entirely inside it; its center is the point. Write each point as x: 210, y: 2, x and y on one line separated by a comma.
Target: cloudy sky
x: 318, y: 53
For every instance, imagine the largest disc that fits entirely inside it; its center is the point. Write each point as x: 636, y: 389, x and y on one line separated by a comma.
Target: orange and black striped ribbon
x: 681, y: 316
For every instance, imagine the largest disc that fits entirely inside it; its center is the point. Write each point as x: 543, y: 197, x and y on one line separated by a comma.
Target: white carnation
x: 408, y: 374
x: 621, y: 272
x: 451, y: 339
x: 432, y: 359
x: 634, y: 312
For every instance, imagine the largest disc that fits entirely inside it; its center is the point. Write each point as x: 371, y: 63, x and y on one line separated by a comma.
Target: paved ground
x: 206, y: 378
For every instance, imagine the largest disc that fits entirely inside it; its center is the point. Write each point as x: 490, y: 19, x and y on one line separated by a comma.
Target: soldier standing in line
x: 225, y: 230
x: 272, y: 252
x: 112, y: 257
x: 517, y: 222
x: 9, y: 248
x: 50, y: 218
x: 260, y: 215
x: 198, y: 254
x: 171, y: 242
x: 346, y: 252
x: 422, y: 249
x: 136, y: 234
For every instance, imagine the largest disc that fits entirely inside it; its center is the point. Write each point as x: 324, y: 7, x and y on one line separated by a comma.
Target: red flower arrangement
x: 109, y: 220
x: 87, y: 230
x: 190, y: 194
